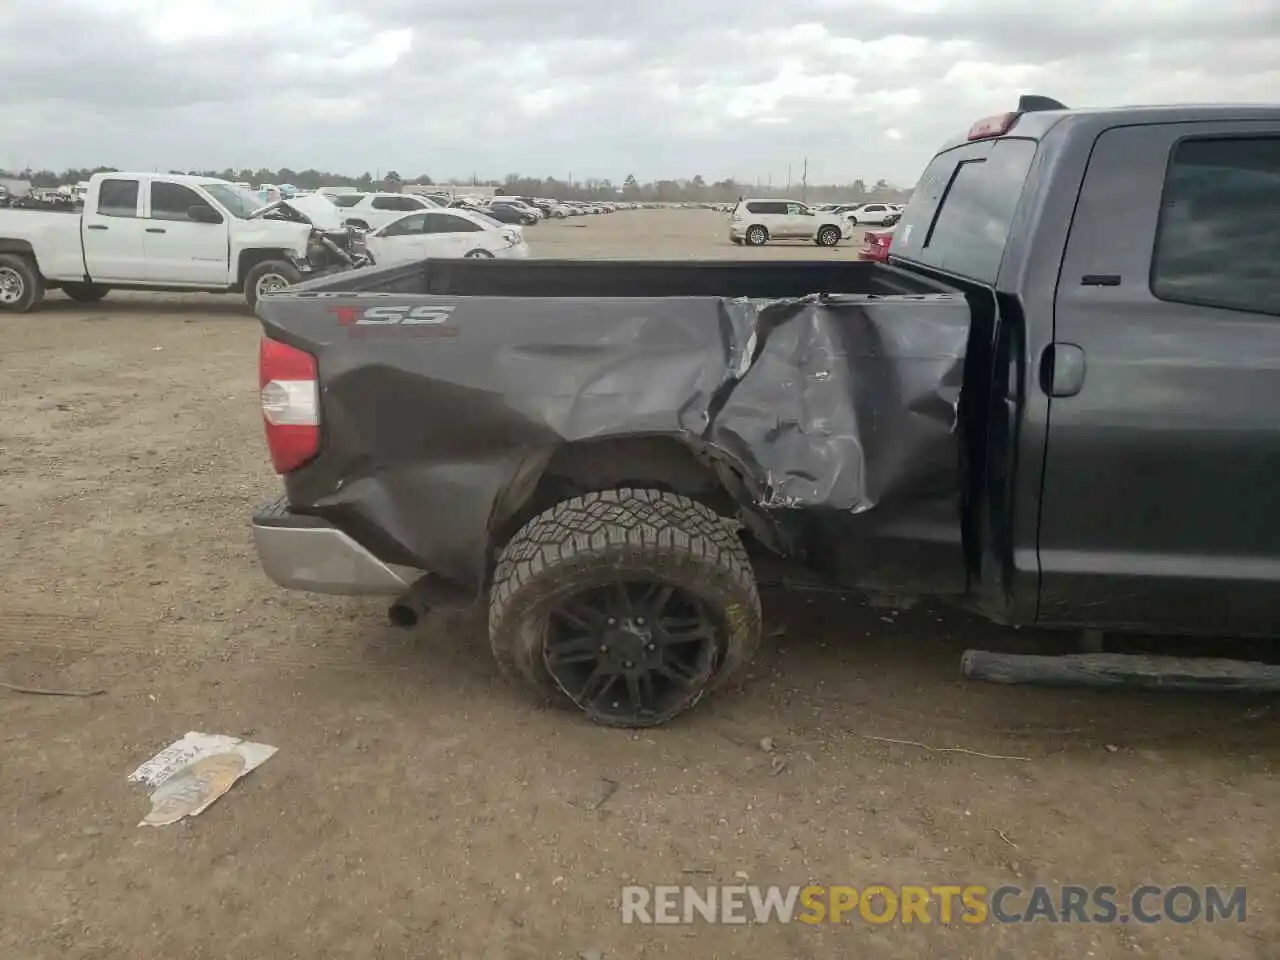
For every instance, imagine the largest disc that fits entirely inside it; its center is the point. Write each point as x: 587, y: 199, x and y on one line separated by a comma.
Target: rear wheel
x: 270, y: 276
x: 828, y: 237
x: 85, y: 292
x: 628, y: 604
x: 21, y: 286
x: 757, y: 236
x: 478, y: 254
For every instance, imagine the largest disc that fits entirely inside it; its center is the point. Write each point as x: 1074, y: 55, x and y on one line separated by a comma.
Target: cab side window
x: 118, y: 198
x: 1218, y: 241
x: 172, y: 201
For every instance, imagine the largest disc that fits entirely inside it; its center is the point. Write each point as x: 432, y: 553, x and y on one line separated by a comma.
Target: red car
x: 875, y: 244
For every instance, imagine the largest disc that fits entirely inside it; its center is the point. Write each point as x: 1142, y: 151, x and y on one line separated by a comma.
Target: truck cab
x: 1121, y: 263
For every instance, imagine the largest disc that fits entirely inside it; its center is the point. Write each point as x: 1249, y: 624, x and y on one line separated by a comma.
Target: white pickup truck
x: 144, y: 231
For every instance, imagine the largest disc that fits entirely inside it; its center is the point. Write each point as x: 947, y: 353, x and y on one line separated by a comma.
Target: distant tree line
x: 692, y: 190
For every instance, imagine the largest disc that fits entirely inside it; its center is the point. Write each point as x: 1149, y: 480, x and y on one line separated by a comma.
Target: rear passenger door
x: 112, y: 233
x: 1161, y: 498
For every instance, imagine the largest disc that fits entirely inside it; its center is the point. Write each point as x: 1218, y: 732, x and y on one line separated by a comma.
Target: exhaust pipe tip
x: 404, y: 615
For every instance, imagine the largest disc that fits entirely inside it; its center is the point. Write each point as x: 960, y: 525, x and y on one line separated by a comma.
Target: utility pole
x: 804, y: 181
x: 788, y: 179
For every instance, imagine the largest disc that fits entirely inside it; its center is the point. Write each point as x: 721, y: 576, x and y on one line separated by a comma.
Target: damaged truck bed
x: 805, y: 413
x: 600, y: 450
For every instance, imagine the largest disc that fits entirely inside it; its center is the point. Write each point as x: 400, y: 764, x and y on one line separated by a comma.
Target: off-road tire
x: 32, y: 284
x: 757, y: 236
x: 85, y: 292
x: 599, y: 538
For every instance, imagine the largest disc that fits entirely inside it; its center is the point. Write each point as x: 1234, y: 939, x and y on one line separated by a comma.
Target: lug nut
x: 628, y: 664
x: 652, y: 646
x: 604, y: 648
x: 639, y: 621
x: 611, y: 621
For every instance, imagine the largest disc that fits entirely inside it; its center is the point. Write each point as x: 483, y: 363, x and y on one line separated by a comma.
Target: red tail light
x: 290, y: 386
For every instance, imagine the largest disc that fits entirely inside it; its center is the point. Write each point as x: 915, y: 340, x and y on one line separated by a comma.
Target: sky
x: 656, y: 88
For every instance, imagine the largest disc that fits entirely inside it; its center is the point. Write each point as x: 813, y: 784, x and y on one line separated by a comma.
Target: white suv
x: 873, y: 214
x: 372, y: 211
x: 756, y: 222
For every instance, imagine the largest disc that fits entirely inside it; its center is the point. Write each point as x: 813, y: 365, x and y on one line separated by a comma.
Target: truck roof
x: 183, y: 178
x: 1034, y: 124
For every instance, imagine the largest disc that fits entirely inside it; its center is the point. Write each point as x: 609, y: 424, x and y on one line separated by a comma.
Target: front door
x: 400, y: 242
x: 112, y: 233
x: 180, y: 250
x: 1161, y: 499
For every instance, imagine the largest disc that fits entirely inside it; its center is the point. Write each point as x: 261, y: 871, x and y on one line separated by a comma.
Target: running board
x: 1120, y: 670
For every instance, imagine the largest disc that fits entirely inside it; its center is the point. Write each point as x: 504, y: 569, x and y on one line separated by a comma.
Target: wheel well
x: 251, y: 258
x: 657, y: 463
x: 20, y: 247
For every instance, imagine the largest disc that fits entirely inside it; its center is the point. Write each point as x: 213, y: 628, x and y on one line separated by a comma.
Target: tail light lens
x: 290, y: 390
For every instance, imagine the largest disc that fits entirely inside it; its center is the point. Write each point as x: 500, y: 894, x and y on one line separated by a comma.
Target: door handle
x: 1062, y: 370
x: 95, y: 226
x: 155, y: 229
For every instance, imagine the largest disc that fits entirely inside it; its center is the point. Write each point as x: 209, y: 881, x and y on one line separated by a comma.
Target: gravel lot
x: 419, y: 808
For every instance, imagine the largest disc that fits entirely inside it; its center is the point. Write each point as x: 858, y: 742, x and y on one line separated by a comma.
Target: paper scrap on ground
x: 189, y: 775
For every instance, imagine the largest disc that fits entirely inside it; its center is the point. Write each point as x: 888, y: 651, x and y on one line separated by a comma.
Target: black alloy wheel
x: 631, y: 651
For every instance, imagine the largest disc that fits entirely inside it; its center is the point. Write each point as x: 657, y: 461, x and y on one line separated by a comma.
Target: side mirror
x: 203, y: 213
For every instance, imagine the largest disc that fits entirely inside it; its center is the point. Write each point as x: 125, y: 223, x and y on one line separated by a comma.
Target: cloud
x: 742, y: 88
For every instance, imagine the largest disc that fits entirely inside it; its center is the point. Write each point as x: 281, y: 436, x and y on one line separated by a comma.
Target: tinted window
x: 767, y: 207
x: 1218, y: 242
x: 405, y: 226
x: 346, y: 199
x: 396, y: 203
x: 448, y: 223
x: 960, y: 213
x: 118, y: 198
x: 171, y: 201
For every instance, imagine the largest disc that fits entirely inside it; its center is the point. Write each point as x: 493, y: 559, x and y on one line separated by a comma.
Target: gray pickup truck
x: 1054, y: 404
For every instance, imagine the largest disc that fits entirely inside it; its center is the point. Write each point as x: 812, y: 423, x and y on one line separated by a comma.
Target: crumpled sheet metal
x: 850, y: 402
x: 836, y: 403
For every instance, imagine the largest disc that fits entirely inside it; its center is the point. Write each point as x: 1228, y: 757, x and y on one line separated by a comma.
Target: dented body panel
x: 832, y: 416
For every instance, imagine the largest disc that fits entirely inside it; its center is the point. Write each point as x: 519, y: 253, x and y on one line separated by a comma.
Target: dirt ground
x: 420, y: 808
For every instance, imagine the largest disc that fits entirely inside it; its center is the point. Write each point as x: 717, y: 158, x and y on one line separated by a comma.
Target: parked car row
x: 372, y: 211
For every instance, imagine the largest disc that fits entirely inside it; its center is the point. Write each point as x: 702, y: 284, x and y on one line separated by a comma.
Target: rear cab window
x: 959, y: 217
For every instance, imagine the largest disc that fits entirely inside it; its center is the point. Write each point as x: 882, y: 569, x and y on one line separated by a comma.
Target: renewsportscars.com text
x: 943, y: 904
